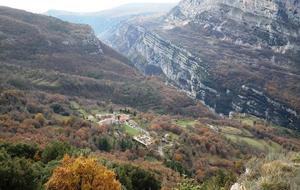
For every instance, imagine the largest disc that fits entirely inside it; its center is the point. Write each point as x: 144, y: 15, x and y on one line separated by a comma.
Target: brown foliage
x: 82, y: 173
x: 40, y: 118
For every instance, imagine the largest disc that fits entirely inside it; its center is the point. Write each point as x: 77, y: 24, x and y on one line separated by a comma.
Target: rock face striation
x: 272, y: 24
x: 234, y: 55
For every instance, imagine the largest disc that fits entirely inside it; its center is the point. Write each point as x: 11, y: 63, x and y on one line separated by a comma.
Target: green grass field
x: 248, y: 119
x: 263, y: 145
x: 131, y: 131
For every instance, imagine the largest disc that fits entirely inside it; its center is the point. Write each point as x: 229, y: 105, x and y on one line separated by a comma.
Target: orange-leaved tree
x: 82, y: 174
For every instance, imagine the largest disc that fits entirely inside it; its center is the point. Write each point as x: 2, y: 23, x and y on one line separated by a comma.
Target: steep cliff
x: 234, y: 55
x: 259, y: 24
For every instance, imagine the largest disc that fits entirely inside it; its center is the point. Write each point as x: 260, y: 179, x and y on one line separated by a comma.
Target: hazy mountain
x: 234, y: 55
x: 103, y: 20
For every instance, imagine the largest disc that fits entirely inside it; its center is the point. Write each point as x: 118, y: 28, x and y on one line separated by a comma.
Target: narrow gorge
x: 232, y: 55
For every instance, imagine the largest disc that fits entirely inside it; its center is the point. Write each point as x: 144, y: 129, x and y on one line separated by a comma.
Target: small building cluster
x: 144, y: 139
x: 118, y: 119
x: 112, y: 119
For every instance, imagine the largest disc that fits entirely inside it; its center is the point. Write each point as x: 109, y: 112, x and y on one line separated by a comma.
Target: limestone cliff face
x: 148, y: 51
x: 274, y: 24
x: 287, y: 10
x: 207, y: 50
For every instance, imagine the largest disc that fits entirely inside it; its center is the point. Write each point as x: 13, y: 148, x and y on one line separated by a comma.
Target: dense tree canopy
x: 15, y: 173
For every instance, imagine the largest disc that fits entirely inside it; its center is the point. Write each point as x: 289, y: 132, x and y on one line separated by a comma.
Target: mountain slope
x: 234, y: 55
x: 43, y: 53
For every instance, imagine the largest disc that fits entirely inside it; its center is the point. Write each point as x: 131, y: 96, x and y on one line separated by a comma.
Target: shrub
x: 40, y: 118
x: 277, y: 171
x: 126, y: 144
x: 267, y: 184
x: 134, y: 178
x: 188, y: 184
x: 20, y: 150
x: 33, y: 108
x: 55, y: 151
x: 16, y: 173
x: 103, y: 143
x: 222, y: 180
x: 20, y: 83
x: 57, y: 108
x: 178, y: 167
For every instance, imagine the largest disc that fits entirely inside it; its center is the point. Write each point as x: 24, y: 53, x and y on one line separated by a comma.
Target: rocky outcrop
x: 237, y: 186
x: 223, y: 53
x: 270, y: 24
x: 287, y: 10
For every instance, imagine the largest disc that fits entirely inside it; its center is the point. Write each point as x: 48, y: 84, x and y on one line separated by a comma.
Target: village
x: 139, y: 134
x: 126, y: 123
x: 158, y: 142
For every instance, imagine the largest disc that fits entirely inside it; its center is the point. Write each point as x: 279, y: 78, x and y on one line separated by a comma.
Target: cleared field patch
x: 231, y: 130
x: 235, y: 131
x: 131, y: 131
x: 185, y: 123
x: 248, y: 119
x: 263, y: 145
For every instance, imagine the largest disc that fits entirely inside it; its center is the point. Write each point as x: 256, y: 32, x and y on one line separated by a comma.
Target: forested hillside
x: 74, y: 114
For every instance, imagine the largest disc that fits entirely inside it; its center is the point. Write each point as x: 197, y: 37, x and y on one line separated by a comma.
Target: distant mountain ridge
x: 103, y: 20
x: 122, y: 10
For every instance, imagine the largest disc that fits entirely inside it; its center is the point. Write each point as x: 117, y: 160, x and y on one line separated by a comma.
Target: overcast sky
x: 40, y: 6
